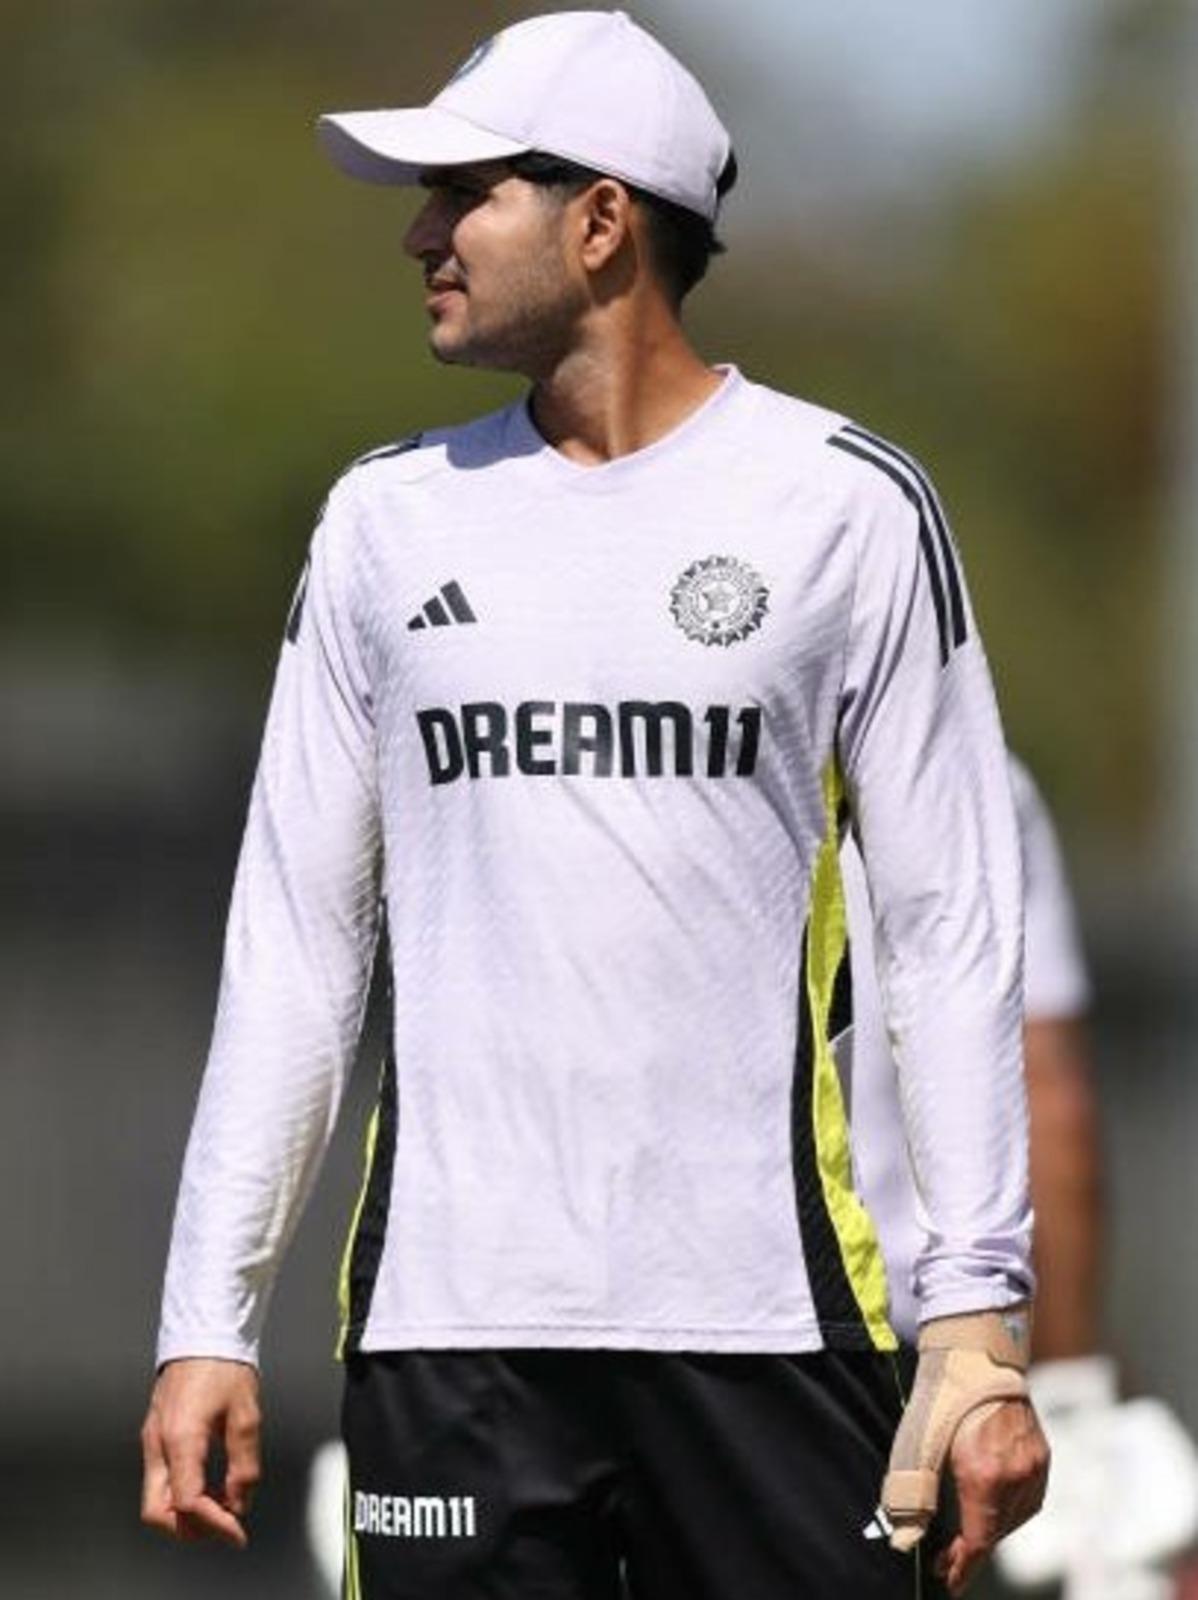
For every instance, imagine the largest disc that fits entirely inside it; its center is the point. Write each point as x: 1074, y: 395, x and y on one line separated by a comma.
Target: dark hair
x: 682, y: 242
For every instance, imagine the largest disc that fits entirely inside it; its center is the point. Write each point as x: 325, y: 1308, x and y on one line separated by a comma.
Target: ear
x: 606, y: 222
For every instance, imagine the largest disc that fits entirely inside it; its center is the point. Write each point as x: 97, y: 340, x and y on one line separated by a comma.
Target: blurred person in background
x: 611, y: 1303
x: 1123, y: 1497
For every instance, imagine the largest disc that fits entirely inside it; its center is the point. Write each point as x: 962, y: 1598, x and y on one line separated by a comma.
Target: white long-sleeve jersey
x: 590, y: 734
x: 1055, y: 986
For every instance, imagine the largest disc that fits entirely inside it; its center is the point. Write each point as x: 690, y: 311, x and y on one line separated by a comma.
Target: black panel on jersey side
x: 840, y: 1319
x: 840, y: 1013
x: 844, y: 819
x: 371, y: 1234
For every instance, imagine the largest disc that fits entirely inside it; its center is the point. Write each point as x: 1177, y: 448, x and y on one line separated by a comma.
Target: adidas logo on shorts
x: 879, y: 1526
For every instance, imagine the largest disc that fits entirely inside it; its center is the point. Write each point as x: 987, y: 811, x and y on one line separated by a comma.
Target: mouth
x: 438, y: 290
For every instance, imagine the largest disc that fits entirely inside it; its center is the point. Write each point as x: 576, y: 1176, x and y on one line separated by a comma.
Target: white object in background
x: 1122, y: 1494
x: 326, y: 1513
x: 1142, y: 1583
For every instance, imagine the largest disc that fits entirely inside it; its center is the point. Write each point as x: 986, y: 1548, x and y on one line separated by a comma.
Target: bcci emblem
x: 719, y: 600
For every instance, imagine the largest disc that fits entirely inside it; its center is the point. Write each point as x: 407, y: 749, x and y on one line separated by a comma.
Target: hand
x: 999, y: 1461
x: 195, y: 1403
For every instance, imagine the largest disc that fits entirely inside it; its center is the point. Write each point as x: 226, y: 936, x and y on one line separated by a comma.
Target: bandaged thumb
x: 968, y: 1365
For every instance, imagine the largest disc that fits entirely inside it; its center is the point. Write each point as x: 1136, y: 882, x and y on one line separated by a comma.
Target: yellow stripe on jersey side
x: 827, y: 947
x: 343, y: 1285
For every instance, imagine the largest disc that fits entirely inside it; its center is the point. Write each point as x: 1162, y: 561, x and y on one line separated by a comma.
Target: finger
x: 185, y: 1447
x: 960, y: 1564
x: 980, y: 1510
x: 981, y: 1498
x: 1023, y: 1504
x: 206, y: 1519
x: 243, y: 1455
x: 157, y: 1509
x: 999, y: 1469
x: 1000, y: 1465
x: 968, y: 1551
x: 198, y: 1514
x: 1026, y: 1494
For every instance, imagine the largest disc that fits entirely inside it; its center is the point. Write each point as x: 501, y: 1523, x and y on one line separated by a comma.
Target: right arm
x: 1066, y: 1174
x: 300, y: 941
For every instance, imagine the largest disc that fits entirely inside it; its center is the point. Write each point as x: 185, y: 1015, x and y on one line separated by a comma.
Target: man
x: 582, y: 692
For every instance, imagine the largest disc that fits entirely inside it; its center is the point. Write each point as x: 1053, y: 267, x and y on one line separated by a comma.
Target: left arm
x: 925, y: 770
x: 925, y: 767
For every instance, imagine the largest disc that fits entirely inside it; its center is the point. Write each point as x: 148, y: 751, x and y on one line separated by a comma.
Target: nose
x: 429, y: 231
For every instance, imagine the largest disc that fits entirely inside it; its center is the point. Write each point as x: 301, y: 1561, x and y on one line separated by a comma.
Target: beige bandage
x: 968, y: 1366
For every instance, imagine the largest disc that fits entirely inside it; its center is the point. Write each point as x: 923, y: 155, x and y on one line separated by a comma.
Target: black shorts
x: 601, y: 1475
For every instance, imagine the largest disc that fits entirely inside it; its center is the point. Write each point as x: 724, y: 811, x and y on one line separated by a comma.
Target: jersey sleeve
x: 299, y: 946
x: 925, y: 768
x: 1056, y: 983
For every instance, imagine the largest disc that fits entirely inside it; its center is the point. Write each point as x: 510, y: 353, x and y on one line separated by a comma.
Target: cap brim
x: 397, y: 146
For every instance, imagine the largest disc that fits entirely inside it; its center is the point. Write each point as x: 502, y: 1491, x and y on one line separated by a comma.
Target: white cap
x: 589, y: 86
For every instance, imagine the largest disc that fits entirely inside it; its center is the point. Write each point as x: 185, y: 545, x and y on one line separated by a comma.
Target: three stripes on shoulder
x: 935, y: 542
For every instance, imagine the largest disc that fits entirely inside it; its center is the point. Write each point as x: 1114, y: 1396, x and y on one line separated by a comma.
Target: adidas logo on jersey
x: 435, y: 613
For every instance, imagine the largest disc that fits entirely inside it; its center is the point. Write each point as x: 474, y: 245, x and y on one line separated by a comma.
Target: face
x: 499, y: 290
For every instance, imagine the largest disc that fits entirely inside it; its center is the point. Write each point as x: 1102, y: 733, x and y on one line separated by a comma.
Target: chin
x: 465, y: 352
x: 450, y: 344
x: 444, y: 347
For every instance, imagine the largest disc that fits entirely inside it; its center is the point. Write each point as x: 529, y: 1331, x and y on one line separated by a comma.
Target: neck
x: 616, y: 393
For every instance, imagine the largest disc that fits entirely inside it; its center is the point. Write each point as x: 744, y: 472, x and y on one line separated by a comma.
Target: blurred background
x: 973, y: 226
